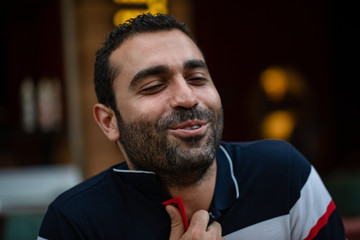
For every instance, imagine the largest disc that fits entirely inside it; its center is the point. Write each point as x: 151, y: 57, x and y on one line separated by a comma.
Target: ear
x: 106, y: 119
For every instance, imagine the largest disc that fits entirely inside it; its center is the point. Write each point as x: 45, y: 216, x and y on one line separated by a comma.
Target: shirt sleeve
x: 314, y: 215
x: 56, y: 226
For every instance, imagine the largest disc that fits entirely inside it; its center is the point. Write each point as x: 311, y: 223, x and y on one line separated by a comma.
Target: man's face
x: 171, y: 116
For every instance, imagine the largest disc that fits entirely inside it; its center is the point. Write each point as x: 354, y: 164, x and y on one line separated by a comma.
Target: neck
x: 198, y: 196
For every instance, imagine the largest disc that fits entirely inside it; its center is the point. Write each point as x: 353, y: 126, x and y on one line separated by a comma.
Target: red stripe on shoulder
x: 322, y: 221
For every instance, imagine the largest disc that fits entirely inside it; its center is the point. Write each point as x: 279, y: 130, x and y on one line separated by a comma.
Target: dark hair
x: 104, y: 73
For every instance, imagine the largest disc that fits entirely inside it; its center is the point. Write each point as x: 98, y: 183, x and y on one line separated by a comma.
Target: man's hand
x: 198, y: 228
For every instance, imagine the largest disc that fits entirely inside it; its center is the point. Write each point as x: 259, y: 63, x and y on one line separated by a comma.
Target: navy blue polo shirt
x: 264, y: 190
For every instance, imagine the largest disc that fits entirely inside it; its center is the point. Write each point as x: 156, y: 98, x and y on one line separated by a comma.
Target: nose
x: 182, y: 95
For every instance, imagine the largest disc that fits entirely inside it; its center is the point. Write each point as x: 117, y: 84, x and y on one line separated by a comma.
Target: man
x: 158, y: 102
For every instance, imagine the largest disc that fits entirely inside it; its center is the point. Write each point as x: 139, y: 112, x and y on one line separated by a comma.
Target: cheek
x: 149, y: 111
x: 211, y: 99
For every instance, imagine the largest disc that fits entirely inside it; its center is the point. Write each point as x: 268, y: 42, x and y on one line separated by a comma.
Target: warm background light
x: 274, y: 82
x: 278, y: 125
x: 137, y: 8
x: 285, y: 91
x: 130, y: 1
x: 278, y: 81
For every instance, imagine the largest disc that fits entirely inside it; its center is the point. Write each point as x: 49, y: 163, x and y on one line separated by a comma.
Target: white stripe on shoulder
x: 231, y: 171
x: 40, y: 238
x: 132, y: 171
x: 312, y: 204
x: 272, y: 229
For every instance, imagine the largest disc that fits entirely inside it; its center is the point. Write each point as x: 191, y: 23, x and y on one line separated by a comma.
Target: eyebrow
x: 151, y: 71
x: 195, y: 63
x: 163, y: 69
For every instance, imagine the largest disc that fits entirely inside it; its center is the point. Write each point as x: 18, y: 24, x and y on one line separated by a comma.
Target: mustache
x: 178, y: 116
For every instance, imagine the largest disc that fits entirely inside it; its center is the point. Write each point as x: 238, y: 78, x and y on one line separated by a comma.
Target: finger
x: 177, y: 225
x: 198, y: 225
x: 215, y: 230
x: 200, y: 220
x: 199, y: 228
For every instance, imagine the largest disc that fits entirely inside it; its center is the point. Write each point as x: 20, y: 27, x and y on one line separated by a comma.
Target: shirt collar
x: 226, y: 188
x: 145, y: 182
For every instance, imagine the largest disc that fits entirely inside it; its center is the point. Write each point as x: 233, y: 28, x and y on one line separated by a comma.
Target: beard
x: 177, y: 161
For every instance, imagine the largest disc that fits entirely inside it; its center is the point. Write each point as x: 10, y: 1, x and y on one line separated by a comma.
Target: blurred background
x: 284, y: 69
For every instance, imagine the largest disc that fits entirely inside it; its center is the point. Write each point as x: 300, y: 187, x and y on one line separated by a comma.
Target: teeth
x: 192, y: 128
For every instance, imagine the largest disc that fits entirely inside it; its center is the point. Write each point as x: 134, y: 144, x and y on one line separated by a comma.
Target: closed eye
x: 197, y: 81
x: 153, y: 89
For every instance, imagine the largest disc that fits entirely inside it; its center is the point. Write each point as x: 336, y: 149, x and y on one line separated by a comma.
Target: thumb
x: 177, y: 224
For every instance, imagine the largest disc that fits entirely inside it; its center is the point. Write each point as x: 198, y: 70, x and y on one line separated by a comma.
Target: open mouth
x: 190, y: 128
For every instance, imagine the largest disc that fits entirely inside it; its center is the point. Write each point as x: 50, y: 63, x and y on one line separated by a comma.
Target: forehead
x: 170, y: 48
